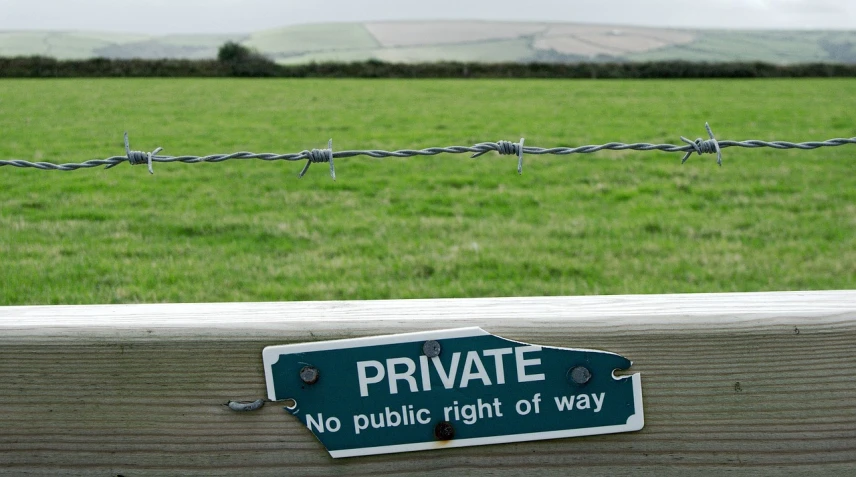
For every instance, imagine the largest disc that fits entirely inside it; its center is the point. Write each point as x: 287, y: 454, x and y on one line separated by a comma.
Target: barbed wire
x: 699, y: 146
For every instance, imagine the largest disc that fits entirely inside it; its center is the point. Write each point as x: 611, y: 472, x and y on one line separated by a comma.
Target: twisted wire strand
x: 502, y: 147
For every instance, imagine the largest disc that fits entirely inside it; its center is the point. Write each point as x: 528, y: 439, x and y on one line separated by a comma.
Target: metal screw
x: 309, y: 374
x: 579, y: 375
x: 431, y: 348
x: 243, y: 406
x: 444, y: 431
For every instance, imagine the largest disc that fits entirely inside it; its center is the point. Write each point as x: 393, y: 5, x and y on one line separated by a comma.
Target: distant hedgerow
x: 236, y: 60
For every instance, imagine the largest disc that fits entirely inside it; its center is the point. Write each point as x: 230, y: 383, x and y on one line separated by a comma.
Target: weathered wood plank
x: 758, y: 383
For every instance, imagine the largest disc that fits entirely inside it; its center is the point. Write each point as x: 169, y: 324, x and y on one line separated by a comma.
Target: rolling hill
x: 478, y: 41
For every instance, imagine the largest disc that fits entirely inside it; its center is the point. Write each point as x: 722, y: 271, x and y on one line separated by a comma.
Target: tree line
x: 235, y: 60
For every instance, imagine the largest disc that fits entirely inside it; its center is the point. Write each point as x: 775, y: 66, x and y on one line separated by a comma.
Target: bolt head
x: 431, y: 348
x: 579, y: 375
x: 309, y: 374
x: 444, y: 431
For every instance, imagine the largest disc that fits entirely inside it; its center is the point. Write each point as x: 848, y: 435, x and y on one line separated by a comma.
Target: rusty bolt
x: 309, y: 374
x: 431, y: 348
x: 444, y: 431
x: 579, y: 375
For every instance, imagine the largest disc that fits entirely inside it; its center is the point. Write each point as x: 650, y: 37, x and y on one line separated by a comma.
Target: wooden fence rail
x: 754, y: 383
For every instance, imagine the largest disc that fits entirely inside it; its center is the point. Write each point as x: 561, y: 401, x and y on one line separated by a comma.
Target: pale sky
x: 237, y: 16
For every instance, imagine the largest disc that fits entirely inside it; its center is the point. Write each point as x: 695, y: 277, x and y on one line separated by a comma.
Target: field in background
x: 444, y: 226
x: 479, y: 41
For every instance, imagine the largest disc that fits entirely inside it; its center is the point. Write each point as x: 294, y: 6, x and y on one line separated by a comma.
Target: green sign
x: 450, y: 388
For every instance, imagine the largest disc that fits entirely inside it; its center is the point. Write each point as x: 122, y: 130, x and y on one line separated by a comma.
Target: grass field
x: 444, y: 226
x: 479, y: 41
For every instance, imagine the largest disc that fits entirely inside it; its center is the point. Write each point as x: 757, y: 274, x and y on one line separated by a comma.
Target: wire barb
x: 319, y: 155
x: 704, y: 147
x: 137, y: 157
x: 504, y: 148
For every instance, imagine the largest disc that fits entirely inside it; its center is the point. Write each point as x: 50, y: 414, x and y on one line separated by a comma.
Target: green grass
x: 444, y: 226
x: 335, y: 56
x: 61, y: 45
x: 300, y: 39
x: 71, y: 46
x: 770, y: 46
x: 518, y: 49
x: 353, y: 42
x: 489, y: 51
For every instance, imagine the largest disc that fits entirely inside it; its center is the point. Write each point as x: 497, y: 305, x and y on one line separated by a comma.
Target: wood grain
x: 758, y: 383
